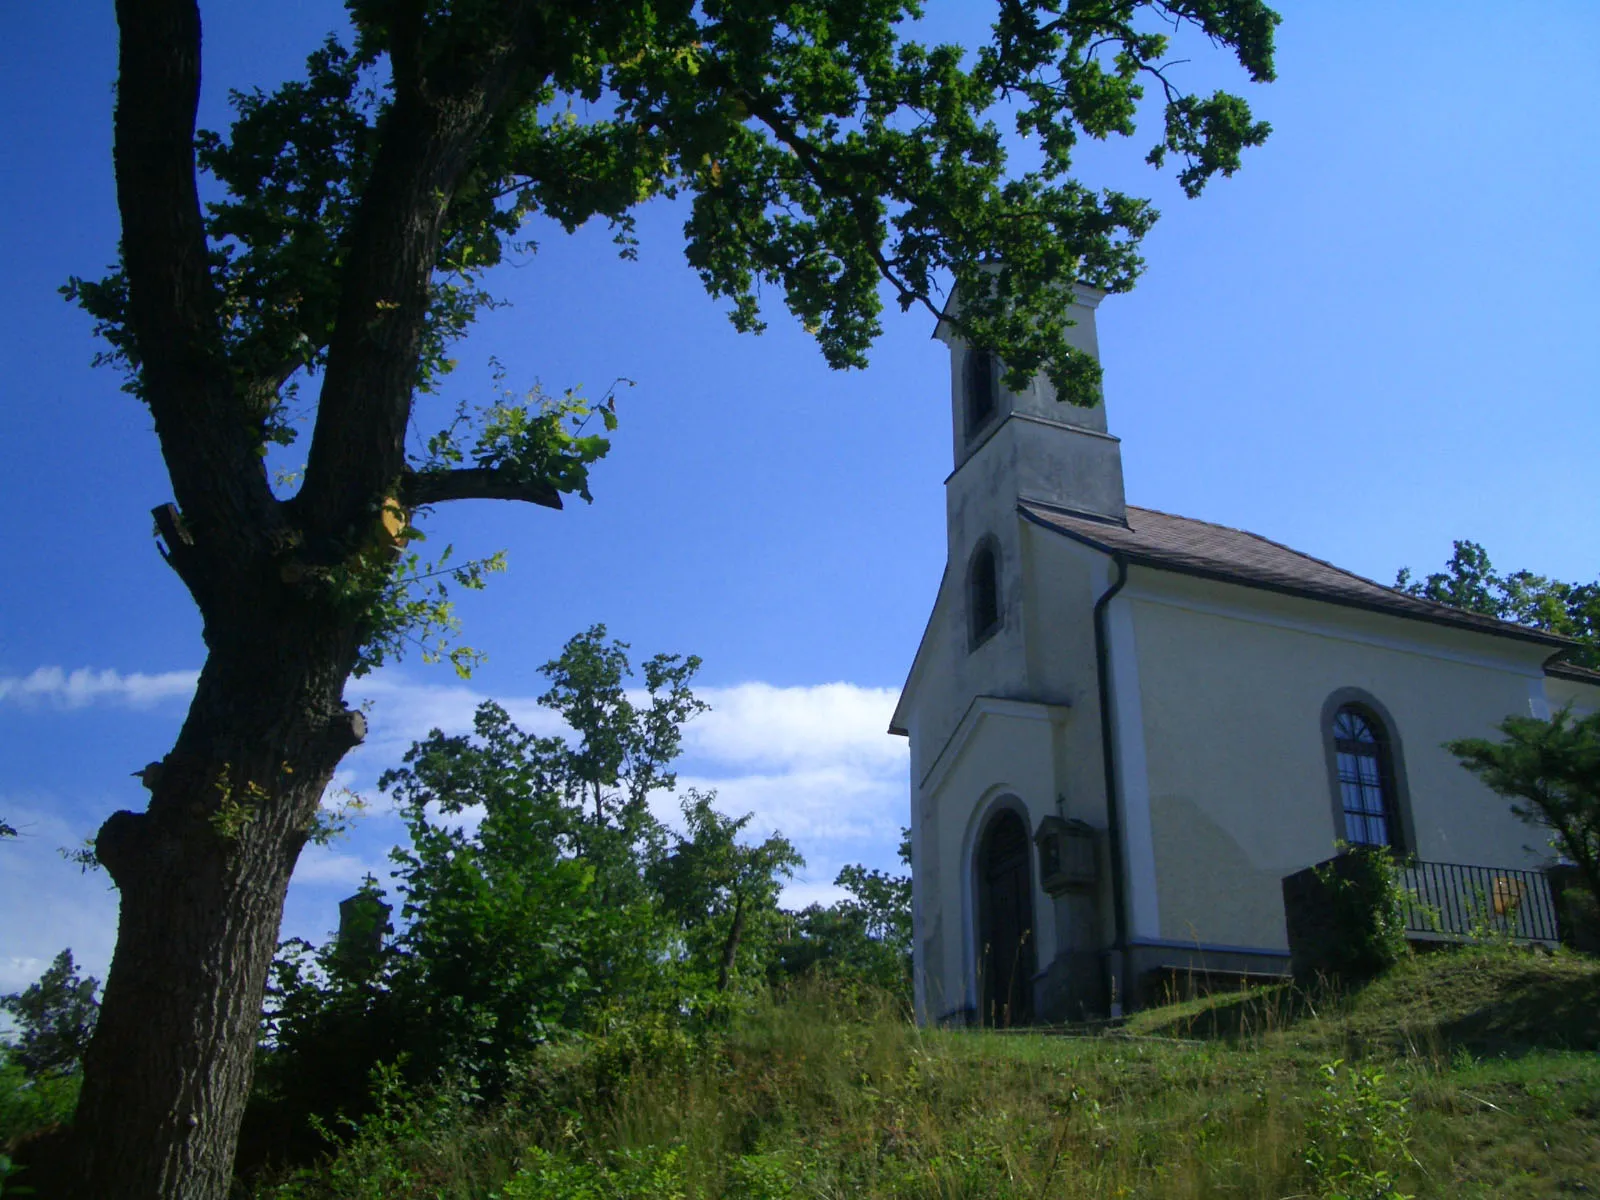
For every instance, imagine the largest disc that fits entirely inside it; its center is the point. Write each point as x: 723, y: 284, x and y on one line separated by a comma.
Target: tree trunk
x: 202, y: 875
x: 730, y: 947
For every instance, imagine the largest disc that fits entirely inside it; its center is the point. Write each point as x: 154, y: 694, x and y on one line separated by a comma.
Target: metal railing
x: 1451, y: 901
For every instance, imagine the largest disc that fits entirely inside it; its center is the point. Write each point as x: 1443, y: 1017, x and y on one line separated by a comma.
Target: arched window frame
x: 980, y: 390
x: 985, y: 612
x: 1391, y: 767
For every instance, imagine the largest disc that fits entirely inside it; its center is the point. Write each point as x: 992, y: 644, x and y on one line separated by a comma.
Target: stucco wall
x: 1233, y: 684
x: 1044, y: 658
x: 1583, y: 697
x: 1003, y: 755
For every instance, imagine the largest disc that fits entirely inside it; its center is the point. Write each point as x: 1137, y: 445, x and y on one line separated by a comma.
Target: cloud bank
x: 812, y: 762
x: 58, y: 688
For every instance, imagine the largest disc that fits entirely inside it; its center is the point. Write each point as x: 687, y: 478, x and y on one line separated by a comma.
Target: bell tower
x: 1011, y: 446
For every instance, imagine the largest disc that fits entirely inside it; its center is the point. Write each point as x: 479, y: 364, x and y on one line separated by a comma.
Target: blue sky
x: 1377, y: 337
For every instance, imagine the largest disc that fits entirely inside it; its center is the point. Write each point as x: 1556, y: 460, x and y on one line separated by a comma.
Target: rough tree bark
x: 203, y: 871
x: 202, y: 876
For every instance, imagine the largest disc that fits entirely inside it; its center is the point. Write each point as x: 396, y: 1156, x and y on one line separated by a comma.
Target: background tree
x: 1550, y: 770
x: 55, y: 1018
x: 530, y: 905
x: 823, y: 155
x: 866, y: 936
x: 521, y: 920
x: 723, y: 893
x: 1470, y: 581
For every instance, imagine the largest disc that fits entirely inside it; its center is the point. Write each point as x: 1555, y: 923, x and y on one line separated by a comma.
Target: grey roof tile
x: 1166, y: 542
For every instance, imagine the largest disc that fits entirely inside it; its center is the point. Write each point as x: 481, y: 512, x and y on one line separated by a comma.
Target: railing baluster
x: 1461, y: 897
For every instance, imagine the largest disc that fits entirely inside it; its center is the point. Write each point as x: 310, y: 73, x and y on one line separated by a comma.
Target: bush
x: 1346, y: 920
x: 31, y: 1103
x: 1359, y: 1135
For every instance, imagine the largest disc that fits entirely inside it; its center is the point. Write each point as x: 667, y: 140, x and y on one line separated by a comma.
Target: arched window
x: 983, y: 593
x: 1365, y: 770
x: 979, y: 389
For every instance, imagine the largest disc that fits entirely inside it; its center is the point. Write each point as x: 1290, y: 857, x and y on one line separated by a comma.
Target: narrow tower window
x: 983, y: 593
x: 980, y: 389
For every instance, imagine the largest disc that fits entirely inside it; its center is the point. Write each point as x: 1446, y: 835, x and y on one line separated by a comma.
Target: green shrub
x: 1359, y: 1135
x: 648, y: 1173
x: 30, y: 1104
x: 1366, y: 906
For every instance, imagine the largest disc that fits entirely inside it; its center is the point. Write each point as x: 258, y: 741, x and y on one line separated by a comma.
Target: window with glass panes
x: 1366, y: 790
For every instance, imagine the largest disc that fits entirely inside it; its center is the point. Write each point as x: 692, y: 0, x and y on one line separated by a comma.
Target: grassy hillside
x: 1465, y: 1074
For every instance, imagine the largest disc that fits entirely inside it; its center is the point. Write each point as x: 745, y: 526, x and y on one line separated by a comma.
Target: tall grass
x: 820, y: 1095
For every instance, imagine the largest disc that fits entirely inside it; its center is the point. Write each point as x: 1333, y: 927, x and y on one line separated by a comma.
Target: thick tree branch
x: 418, y: 488
x: 172, y: 298
x: 429, y: 136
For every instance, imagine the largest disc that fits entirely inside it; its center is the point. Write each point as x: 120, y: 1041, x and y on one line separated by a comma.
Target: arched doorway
x: 1005, y: 922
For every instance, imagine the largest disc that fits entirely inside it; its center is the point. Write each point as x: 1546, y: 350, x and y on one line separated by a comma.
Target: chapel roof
x: 1183, y: 544
x: 1574, y: 672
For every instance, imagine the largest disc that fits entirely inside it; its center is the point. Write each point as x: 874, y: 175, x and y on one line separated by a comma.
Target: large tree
x: 819, y: 152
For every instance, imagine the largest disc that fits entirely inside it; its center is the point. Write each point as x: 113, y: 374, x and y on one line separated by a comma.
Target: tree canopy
x: 1470, y: 581
x: 1550, y: 770
x: 820, y: 151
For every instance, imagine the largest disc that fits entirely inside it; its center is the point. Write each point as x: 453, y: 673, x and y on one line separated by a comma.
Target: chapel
x: 1127, y: 727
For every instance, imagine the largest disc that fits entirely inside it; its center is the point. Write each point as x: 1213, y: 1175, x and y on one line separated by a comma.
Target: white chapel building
x: 1127, y: 727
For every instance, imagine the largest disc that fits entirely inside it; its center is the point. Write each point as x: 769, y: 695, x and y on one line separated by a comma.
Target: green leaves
x: 623, y: 750
x: 55, y: 1016
x: 1470, y: 581
x: 292, y: 169
x: 722, y: 892
x: 1550, y: 770
x: 527, y: 888
x: 533, y: 440
x: 1359, y: 1133
x: 865, y: 937
x: 412, y: 608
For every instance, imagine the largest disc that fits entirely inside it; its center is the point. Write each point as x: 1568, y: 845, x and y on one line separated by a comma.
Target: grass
x: 1466, y: 1074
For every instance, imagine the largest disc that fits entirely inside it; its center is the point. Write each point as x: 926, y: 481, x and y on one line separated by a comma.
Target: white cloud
x: 83, y: 687
x: 814, y: 761
x: 403, y: 712
x: 801, y: 893
x: 52, y: 905
x: 842, y: 803
x: 319, y: 865
x: 811, y: 762
x: 829, y: 723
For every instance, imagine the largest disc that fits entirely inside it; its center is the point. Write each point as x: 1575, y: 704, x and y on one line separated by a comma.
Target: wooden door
x: 1005, y: 917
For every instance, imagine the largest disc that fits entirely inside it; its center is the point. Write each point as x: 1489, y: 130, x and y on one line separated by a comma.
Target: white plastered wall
x: 1016, y: 716
x: 1232, y: 686
x: 1583, y: 698
x: 1003, y: 755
